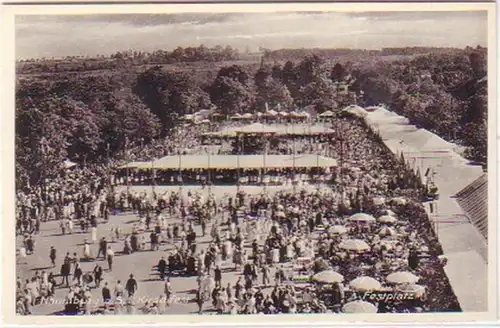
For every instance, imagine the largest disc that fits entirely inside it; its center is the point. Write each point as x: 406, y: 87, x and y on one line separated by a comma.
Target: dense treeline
x: 88, y: 117
x: 123, y: 59
x: 444, y: 93
x: 297, y: 54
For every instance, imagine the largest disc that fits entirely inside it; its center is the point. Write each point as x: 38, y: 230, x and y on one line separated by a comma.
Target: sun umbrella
x: 387, y: 219
x: 359, y: 307
x: 388, y: 212
x: 402, y: 277
x: 361, y: 217
x: 363, y: 284
x: 337, y: 229
x: 386, y: 231
x: 400, y: 200
x: 328, y: 277
x: 354, y: 245
x: 413, y: 289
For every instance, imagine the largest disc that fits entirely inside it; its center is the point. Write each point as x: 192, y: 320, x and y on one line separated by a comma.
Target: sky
x: 88, y: 35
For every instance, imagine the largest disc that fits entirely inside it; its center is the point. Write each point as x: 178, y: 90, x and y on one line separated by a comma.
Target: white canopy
x: 328, y: 113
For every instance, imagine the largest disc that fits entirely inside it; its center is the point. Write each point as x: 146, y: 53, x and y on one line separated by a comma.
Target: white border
x: 7, y: 174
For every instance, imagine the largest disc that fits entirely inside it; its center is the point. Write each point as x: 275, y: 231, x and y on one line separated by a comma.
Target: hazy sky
x: 58, y: 36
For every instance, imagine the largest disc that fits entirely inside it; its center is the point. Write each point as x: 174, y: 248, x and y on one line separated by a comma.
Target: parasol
x: 399, y: 201
x: 359, y: 307
x: 402, y: 277
x: 337, y: 229
x: 354, y: 245
x: 364, y: 284
x: 328, y: 277
x: 413, y: 289
x: 387, y: 219
x: 386, y: 231
x: 361, y: 217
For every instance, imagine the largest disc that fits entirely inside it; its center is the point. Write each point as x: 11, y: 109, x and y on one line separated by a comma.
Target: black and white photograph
x: 242, y: 163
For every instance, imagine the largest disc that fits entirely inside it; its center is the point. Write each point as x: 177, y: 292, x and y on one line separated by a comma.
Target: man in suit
x: 52, y: 256
x: 97, y: 275
x: 162, y: 267
x: 131, y: 286
x: 106, y: 293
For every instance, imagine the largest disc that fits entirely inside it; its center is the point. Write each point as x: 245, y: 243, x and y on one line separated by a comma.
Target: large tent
x: 193, y: 162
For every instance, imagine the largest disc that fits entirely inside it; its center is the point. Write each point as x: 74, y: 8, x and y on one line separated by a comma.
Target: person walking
x: 266, y: 279
x: 110, y: 255
x: 131, y: 286
x: 218, y: 276
x: 106, y: 293
x: 66, y: 269
x: 168, y: 289
x: 162, y: 267
x: 77, y: 274
x: 118, y: 291
x: 102, y: 247
x: 52, y: 256
x: 97, y: 275
x: 94, y: 234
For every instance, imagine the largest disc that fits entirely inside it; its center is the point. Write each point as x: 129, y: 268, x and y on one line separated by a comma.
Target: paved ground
x: 140, y: 264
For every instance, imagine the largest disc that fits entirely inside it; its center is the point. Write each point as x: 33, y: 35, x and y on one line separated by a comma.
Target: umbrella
x: 413, y: 289
x: 328, y: 277
x: 359, y: 307
x: 69, y: 164
x: 387, y: 219
x: 377, y: 201
x: 354, y: 245
x: 388, y: 212
x: 400, y: 200
x: 402, y: 277
x: 328, y: 113
x: 386, y: 231
x: 337, y: 229
x: 361, y: 217
x: 363, y: 284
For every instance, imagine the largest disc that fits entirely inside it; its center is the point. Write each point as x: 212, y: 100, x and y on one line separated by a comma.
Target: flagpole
x: 153, y: 171
x: 126, y: 165
x: 180, y: 174
x: 318, y: 171
x: 238, y: 141
x: 294, y: 150
x: 264, y: 171
x: 209, y: 173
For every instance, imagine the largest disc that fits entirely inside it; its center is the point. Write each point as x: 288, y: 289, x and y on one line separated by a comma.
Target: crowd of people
x: 367, y: 221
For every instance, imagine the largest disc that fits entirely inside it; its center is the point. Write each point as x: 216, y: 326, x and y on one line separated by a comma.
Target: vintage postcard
x: 249, y: 163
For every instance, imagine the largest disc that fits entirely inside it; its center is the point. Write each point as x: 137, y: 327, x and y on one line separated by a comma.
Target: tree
x: 170, y: 95
x: 131, y: 120
x: 272, y: 92
x: 338, y: 73
x: 319, y: 93
x: 231, y: 96
x: 231, y: 90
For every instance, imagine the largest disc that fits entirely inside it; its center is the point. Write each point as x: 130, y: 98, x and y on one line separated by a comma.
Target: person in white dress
x: 275, y: 255
x: 94, y: 235
x: 22, y: 255
x: 70, y: 226
x: 86, y: 251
